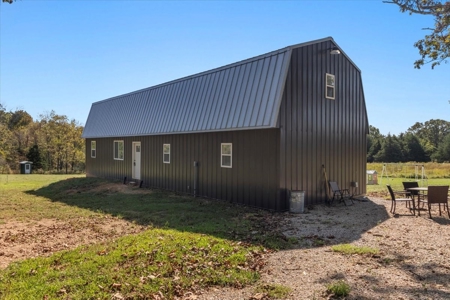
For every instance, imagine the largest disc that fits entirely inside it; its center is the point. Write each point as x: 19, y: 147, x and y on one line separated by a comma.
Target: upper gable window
x: 93, y: 149
x: 118, y: 150
x: 330, y: 86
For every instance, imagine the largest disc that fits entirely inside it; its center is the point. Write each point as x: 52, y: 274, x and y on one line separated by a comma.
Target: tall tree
x: 18, y: 125
x: 431, y: 133
x: 434, y: 48
x: 390, y: 151
x: 34, y: 155
x: 374, y: 140
x: 443, y: 152
x: 413, y: 149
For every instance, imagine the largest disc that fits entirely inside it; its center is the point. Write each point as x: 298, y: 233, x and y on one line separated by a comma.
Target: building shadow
x: 163, y: 209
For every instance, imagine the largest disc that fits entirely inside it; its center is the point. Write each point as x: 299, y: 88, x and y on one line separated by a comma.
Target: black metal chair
x: 339, y: 194
x: 436, y: 195
x: 407, y: 198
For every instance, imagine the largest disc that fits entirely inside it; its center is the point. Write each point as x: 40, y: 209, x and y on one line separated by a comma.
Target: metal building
x: 247, y: 132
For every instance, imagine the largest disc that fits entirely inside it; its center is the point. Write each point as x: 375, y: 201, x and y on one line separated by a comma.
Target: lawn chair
x: 339, y: 194
x: 407, y: 198
x: 436, y: 195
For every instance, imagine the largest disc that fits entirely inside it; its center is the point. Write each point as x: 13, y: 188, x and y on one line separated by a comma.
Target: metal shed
x: 372, y: 177
x: 25, y: 167
x: 248, y: 132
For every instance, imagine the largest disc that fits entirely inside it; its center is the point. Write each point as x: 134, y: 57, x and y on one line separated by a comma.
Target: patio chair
x: 407, y: 198
x: 436, y: 195
x: 411, y: 184
x: 339, y: 194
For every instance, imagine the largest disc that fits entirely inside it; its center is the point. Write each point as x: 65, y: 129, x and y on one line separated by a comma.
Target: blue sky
x: 65, y: 55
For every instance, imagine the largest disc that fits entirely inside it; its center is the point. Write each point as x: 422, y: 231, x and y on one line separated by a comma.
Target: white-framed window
x: 226, y: 155
x: 93, y: 149
x: 330, y: 86
x: 118, y: 150
x: 166, y: 153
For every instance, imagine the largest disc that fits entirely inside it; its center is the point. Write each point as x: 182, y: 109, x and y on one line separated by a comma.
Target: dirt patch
x: 20, y: 240
x: 112, y: 188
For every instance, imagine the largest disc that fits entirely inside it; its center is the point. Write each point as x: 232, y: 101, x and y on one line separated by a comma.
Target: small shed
x: 372, y: 177
x: 25, y: 167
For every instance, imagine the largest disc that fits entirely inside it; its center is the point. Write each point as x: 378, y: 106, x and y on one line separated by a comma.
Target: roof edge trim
x: 180, y: 132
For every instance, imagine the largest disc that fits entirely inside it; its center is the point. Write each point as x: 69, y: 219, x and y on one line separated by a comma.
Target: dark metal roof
x: 243, y: 95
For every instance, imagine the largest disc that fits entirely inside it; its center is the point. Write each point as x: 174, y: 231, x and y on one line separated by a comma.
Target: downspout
x: 195, y: 178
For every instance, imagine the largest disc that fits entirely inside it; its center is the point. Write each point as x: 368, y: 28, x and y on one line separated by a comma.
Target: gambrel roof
x: 243, y: 95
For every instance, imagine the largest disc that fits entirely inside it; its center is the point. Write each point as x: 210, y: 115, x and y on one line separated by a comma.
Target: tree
x: 434, y: 48
x: 443, y: 152
x: 431, y: 133
x: 19, y: 119
x: 374, y: 140
x: 413, y: 149
x: 6, y: 146
x: 390, y: 150
x: 34, y: 155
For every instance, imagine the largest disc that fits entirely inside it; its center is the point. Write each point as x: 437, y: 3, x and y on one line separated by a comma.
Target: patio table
x: 421, y: 190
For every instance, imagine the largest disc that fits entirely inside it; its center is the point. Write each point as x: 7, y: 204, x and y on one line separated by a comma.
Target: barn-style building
x: 247, y: 132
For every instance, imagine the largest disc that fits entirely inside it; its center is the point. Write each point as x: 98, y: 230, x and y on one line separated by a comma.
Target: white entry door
x: 137, y: 160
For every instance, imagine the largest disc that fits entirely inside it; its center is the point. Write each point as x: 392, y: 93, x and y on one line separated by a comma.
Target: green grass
x: 18, y: 203
x: 136, y: 266
x: 339, y: 289
x: 191, y: 243
x: 396, y: 183
x: 90, y: 197
x: 352, y: 249
x: 435, y: 174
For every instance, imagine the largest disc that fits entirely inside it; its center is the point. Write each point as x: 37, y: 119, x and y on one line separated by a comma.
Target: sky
x: 65, y: 55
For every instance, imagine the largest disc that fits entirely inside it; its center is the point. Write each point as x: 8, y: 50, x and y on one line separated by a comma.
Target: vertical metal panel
x: 174, y: 107
x: 316, y: 130
x: 251, y: 181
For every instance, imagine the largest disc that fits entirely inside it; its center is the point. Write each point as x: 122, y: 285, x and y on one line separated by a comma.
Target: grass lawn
x: 396, y: 183
x: 191, y: 243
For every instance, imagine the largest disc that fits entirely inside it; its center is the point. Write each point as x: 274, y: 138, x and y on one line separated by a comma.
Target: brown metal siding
x: 252, y: 180
x: 316, y: 130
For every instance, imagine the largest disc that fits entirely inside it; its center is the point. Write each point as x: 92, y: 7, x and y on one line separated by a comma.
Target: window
x: 166, y: 153
x: 118, y: 150
x: 93, y: 149
x: 329, y: 88
x: 226, y: 155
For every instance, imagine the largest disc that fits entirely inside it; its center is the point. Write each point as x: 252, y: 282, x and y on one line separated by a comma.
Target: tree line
x: 52, y: 143
x: 422, y: 142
